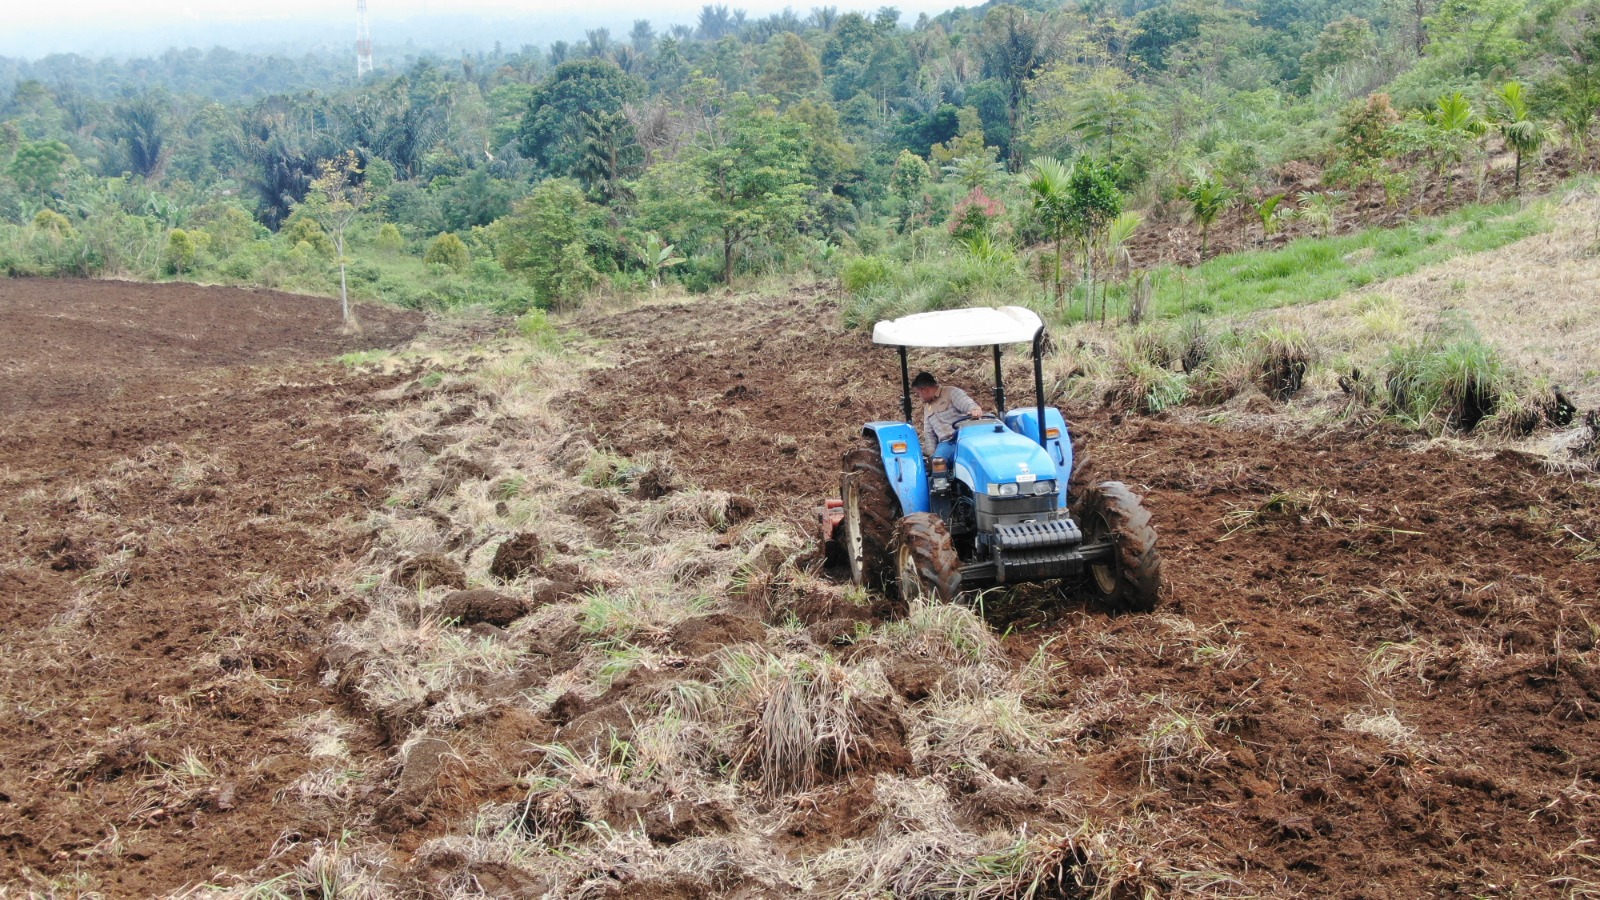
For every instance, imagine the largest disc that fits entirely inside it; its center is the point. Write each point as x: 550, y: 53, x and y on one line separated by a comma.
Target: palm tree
x: 1208, y: 196
x: 1269, y: 211
x: 1049, y: 187
x: 1118, y: 233
x: 1454, y: 126
x: 1522, y: 133
x: 1318, y: 209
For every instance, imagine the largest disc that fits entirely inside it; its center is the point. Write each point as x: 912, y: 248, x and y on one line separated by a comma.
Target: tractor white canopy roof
x: 975, y: 327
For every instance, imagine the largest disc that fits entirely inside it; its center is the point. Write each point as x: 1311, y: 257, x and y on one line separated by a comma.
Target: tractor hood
x: 994, y: 454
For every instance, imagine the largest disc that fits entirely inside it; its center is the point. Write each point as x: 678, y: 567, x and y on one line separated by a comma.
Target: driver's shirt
x: 939, y: 416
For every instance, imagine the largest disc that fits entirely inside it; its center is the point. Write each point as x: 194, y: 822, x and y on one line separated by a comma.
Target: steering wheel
x: 977, y: 418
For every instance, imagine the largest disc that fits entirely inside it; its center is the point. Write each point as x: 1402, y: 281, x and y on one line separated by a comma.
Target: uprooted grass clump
x: 1455, y: 381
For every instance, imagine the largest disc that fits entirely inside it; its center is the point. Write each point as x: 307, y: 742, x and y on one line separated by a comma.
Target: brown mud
x: 1394, y: 645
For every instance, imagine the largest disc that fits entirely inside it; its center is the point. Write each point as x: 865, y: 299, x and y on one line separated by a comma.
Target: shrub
x: 975, y: 215
x: 447, y: 250
x: 487, y: 270
x: 181, y: 251
x: 389, y: 239
x: 863, y: 273
x: 535, y: 328
x: 305, y: 230
x: 51, y: 222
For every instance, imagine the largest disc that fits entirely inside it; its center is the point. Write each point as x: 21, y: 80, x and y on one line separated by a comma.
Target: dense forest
x: 1011, y: 148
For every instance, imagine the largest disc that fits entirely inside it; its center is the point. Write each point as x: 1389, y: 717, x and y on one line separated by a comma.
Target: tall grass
x: 1313, y: 269
x: 1456, y: 383
x: 949, y: 280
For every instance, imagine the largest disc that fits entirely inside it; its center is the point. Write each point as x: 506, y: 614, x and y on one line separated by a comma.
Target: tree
x: 140, y: 128
x: 1111, y: 116
x: 1522, y: 133
x: 751, y: 185
x: 1345, y: 41
x: 1048, y: 188
x: 181, y: 251
x: 1451, y: 128
x: 1013, y: 47
x: 548, y: 231
x: 643, y: 37
x: 906, y: 182
x: 1208, y: 196
x: 551, y: 133
x: 1366, y: 129
x: 1269, y: 212
x: 609, y: 156
x: 1319, y: 209
x: 335, y: 199
x: 1093, y: 203
x: 38, y: 165
x: 1115, y: 250
x: 792, y: 71
x: 1475, y: 38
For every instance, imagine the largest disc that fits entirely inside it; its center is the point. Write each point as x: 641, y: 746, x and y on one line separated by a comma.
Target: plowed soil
x: 1397, y: 643
x: 76, y: 341
x: 1386, y: 651
x: 167, y: 533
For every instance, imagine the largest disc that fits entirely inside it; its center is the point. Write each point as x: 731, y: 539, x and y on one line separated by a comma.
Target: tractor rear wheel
x: 870, y: 511
x: 1130, y: 579
x: 925, y: 559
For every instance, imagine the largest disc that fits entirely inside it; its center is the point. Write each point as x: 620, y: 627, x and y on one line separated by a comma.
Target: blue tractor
x: 997, y: 511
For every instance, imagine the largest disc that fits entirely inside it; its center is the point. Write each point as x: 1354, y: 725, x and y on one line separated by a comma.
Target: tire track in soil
x: 1354, y: 544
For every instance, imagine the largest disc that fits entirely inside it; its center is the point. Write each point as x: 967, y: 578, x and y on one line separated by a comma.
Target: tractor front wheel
x: 1129, y: 580
x: 870, y: 511
x: 925, y: 559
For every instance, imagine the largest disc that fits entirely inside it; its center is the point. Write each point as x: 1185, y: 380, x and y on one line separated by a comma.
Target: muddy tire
x: 1130, y: 581
x: 870, y: 511
x: 925, y: 559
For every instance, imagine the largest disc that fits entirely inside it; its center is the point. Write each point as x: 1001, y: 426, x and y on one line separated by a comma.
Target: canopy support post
x: 905, y: 385
x: 999, y: 386
x: 1038, y: 380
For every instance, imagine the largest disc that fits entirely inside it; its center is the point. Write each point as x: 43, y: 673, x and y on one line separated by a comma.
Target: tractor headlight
x: 1008, y: 490
x: 1044, y: 486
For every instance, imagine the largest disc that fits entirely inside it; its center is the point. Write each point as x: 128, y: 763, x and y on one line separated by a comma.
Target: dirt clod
x: 707, y: 634
x: 424, y: 761
x: 482, y: 607
x: 521, y: 554
x: 427, y: 570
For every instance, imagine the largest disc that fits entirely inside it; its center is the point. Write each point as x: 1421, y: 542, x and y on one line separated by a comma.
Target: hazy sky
x: 30, y: 29
x: 105, y: 12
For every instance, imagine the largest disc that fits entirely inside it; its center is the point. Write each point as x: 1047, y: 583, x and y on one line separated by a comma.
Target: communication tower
x: 363, y: 40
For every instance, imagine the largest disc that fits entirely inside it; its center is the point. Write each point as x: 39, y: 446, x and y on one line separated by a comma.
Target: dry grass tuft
x: 798, y: 713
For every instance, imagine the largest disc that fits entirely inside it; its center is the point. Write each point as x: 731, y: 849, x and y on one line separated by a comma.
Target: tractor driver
x: 942, y: 407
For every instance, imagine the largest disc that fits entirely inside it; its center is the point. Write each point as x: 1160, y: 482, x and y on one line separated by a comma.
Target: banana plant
x: 657, y: 256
